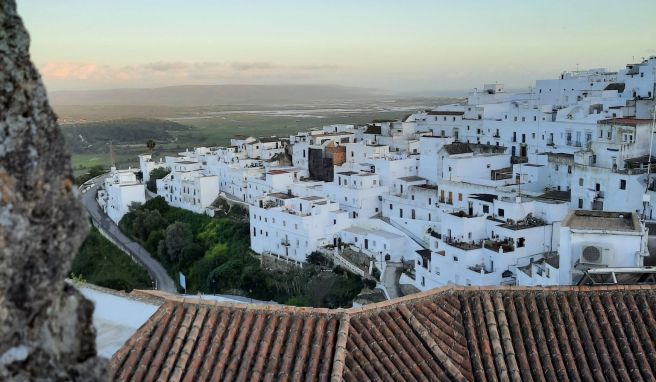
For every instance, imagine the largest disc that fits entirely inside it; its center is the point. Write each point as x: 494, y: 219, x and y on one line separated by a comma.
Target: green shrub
x: 101, y: 263
x: 157, y: 173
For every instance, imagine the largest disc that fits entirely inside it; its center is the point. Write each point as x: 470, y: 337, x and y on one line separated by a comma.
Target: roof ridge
x: 383, y: 304
x: 340, y: 347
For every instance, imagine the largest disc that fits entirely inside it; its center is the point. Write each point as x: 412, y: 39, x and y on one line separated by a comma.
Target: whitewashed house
x: 292, y: 227
x: 120, y: 190
x: 188, y: 187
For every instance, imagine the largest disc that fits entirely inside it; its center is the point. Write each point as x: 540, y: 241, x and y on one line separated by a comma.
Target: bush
x: 376, y: 273
x: 298, y: 301
x: 101, y: 263
x: 369, y: 283
x: 214, y: 254
x: 93, y: 172
x: 318, y: 258
x: 157, y: 173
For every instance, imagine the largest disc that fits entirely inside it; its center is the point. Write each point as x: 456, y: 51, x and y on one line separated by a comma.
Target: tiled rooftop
x: 449, y: 334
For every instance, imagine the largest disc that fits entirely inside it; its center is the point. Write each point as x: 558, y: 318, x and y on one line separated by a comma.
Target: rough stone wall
x: 46, y: 331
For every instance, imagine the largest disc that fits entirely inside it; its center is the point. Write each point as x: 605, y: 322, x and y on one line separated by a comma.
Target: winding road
x: 163, y: 281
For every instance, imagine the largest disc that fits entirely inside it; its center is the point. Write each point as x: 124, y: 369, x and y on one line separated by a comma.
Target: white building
x: 188, y: 187
x: 292, y: 227
x: 147, y: 164
x: 120, y: 190
x: 357, y: 192
x: 473, y: 193
x: 274, y: 180
x: 591, y: 240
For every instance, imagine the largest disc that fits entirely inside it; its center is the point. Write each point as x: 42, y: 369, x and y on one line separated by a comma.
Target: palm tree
x: 151, y: 145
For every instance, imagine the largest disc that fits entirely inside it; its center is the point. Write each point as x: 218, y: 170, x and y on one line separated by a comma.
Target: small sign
x: 183, y: 281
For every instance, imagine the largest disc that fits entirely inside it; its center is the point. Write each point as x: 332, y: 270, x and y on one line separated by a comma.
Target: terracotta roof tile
x: 450, y: 334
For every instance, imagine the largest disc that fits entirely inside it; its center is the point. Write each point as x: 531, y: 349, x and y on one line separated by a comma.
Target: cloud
x: 166, y: 66
x: 159, y: 73
x: 248, y: 66
x: 312, y: 67
x: 69, y: 70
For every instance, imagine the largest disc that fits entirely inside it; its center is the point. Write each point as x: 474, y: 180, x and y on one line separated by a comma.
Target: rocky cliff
x: 46, y: 331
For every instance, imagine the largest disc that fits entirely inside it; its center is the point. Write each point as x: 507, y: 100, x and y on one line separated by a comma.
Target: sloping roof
x: 268, y: 139
x: 625, y: 121
x: 448, y: 334
x: 445, y: 112
x: 373, y: 129
x: 616, y: 86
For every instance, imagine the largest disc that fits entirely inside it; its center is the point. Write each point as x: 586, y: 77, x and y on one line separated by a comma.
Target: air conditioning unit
x: 594, y: 254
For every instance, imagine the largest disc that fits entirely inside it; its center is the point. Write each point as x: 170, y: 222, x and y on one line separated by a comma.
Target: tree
x: 157, y: 173
x: 177, y: 238
x: 151, y: 145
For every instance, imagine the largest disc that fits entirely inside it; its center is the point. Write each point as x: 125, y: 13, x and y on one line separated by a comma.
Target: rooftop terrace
x: 602, y: 221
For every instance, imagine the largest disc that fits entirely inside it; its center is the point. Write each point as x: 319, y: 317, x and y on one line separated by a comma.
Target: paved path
x: 157, y: 272
x: 390, y: 279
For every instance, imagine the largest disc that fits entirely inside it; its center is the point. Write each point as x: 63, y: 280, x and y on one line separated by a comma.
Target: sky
x: 412, y: 46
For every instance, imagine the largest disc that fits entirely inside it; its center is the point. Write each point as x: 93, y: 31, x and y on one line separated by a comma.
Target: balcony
x: 479, y: 268
x: 502, y: 246
x: 517, y: 160
x: 464, y: 245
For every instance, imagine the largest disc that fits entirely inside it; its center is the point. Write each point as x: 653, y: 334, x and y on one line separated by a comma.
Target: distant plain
x: 89, y: 128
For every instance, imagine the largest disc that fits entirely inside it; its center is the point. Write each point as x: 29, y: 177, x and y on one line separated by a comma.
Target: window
x: 486, y: 209
x: 622, y: 184
x: 580, y: 203
x: 501, y: 212
x: 580, y: 181
x: 391, y: 207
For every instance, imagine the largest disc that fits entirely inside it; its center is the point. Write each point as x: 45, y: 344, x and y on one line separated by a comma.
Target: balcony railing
x: 464, y: 245
x: 496, y: 245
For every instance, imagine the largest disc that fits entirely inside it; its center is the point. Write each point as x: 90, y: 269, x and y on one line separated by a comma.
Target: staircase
x: 423, y: 243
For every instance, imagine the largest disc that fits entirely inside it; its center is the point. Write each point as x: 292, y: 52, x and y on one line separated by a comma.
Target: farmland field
x: 175, y: 129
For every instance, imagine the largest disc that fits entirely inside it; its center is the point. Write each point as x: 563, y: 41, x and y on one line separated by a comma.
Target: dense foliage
x: 92, y: 173
x: 157, y: 173
x: 214, y: 255
x: 101, y: 263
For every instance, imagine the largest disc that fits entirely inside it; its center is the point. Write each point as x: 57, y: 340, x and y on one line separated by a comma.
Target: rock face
x: 46, y: 331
